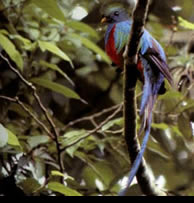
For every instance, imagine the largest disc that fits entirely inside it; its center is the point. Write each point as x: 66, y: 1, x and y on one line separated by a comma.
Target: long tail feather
x: 137, y: 162
x: 152, y: 85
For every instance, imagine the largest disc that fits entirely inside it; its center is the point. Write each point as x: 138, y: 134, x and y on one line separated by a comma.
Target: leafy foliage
x: 78, y: 91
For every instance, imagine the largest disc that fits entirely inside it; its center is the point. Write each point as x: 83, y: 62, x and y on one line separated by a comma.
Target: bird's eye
x: 116, y: 13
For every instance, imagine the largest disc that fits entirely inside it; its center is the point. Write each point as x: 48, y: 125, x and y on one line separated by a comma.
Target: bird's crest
x: 108, y: 9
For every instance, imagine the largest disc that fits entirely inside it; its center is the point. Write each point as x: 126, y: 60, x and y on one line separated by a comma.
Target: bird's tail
x: 151, y: 87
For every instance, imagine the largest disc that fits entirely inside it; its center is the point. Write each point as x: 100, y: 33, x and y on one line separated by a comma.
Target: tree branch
x: 32, y: 115
x: 94, y: 116
x: 118, y: 110
x: 130, y: 79
x: 42, y: 107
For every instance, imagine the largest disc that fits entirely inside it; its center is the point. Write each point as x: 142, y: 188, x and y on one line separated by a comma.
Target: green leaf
x: 3, y: 136
x: 51, y: 8
x: 56, y: 88
x: 72, y: 136
x: 58, y: 187
x: 56, y: 68
x: 30, y: 185
x: 186, y: 24
x: 110, y: 124
x: 189, y: 105
x: 10, y: 49
x: 34, y: 141
x: 171, y: 95
x: 184, y: 125
x: 83, y: 28
x: 92, y: 46
x: 161, y: 126
x: 24, y: 40
x: 176, y: 130
x: 2, y: 31
x: 12, y: 139
x: 157, y: 148
x: 18, y: 109
x: 58, y: 173
x: 26, y: 43
x: 96, y: 175
x: 48, y: 46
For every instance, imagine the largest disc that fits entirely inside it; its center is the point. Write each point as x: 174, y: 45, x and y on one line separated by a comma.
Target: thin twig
x: 96, y: 129
x: 42, y: 107
x: 114, y: 132
x: 37, y: 98
x: 96, y: 115
x: 32, y: 115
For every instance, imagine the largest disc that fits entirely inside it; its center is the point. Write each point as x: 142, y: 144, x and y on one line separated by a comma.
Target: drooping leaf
x: 56, y: 68
x: 58, y: 187
x: 29, y: 185
x: 34, y: 141
x: 189, y: 105
x: 5, y: 32
x: 70, y: 138
x: 39, y: 166
x: 24, y: 40
x: 118, y: 121
x: 48, y: 46
x: 97, y: 175
x: 184, y: 125
x: 176, y: 130
x: 186, y: 24
x: 56, y: 88
x: 3, y: 136
x: 161, y: 126
x: 12, y: 139
x: 58, y: 173
x: 26, y: 43
x: 154, y: 146
x: 11, y: 50
x: 51, y: 8
x: 83, y: 28
x: 92, y: 46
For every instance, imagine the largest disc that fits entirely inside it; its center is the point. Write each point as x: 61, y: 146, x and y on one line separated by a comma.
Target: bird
x: 152, y: 67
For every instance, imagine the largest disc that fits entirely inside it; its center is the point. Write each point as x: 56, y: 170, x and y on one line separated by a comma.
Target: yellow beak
x: 103, y: 20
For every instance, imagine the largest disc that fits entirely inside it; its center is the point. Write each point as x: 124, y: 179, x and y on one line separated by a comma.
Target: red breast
x: 117, y: 58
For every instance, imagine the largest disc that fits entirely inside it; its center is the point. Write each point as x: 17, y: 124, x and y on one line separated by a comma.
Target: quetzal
x: 152, y: 67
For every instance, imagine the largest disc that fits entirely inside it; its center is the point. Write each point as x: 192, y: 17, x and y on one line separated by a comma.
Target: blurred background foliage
x: 58, y: 46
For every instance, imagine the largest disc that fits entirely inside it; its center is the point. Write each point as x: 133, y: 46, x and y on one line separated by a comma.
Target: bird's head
x: 114, y: 13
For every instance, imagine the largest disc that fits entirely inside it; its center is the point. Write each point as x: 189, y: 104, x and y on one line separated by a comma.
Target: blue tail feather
x: 152, y: 85
x: 137, y: 161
